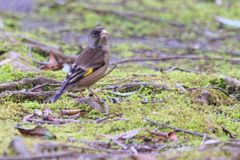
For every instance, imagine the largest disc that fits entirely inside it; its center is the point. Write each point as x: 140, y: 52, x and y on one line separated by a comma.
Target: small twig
x: 106, y: 144
x: 145, y: 98
x: 181, y: 69
x: 125, y: 15
x: 162, y: 147
x: 213, y: 87
x: 4, y: 62
x: 52, y: 155
x: 173, y: 57
x: 122, y: 119
x: 120, y: 144
x: 72, y: 95
x: 150, y: 75
x: 99, y: 120
x: 232, y: 139
x: 25, y: 82
x: 39, y: 86
x: 110, y: 99
x: 109, y: 71
x: 204, y: 138
x: 29, y: 54
x: 179, y: 129
x: 116, y: 100
x: 37, y: 42
x: 181, y: 87
x: 57, y: 121
x: 106, y: 108
x: 155, y: 130
x: 46, y: 50
x: 201, y: 49
x: 122, y: 81
x: 153, y: 96
x: 131, y: 15
x: 97, y: 149
x: 228, y: 132
x: 133, y: 149
x: 144, y: 102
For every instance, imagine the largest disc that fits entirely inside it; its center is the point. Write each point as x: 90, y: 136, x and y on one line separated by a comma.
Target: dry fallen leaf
x: 73, y: 112
x: 173, y: 136
x: 145, y: 139
x: 37, y: 131
x: 158, y: 139
x: 170, y: 135
x: 47, y: 111
x: 123, y: 136
x: 53, y: 64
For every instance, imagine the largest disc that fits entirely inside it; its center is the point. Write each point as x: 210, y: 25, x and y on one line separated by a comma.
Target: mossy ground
x: 129, y: 39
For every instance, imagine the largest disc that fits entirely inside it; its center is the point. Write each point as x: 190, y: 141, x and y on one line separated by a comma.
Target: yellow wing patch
x: 88, y: 72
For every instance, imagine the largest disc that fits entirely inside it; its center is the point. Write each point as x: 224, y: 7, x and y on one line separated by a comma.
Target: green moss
x: 218, y: 82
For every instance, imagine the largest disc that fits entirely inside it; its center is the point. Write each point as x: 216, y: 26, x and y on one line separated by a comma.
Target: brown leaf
x: 145, y: 139
x: 50, y: 117
x: 72, y: 112
x: 173, y: 136
x: 227, y: 132
x: 38, y: 90
x: 54, y: 65
x: 37, y: 131
x: 170, y: 135
x: 123, y: 136
x: 51, y: 57
x: 47, y: 111
x: 158, y: 139
x: 51, y: 67
x: 27, y: 117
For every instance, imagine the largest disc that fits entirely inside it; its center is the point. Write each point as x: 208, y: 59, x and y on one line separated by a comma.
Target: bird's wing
x: 87, y: 62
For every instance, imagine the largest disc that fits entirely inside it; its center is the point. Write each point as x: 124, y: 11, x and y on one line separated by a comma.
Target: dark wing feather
x: 88, y: 62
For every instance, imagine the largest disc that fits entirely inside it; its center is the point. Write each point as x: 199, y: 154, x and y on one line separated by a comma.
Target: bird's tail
x: 54, y: 97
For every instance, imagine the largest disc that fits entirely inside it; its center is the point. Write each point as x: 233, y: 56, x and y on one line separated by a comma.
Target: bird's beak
x: 103, y: 33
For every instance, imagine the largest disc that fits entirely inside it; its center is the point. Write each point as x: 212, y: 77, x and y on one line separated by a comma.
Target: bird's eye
x: 96, y: 33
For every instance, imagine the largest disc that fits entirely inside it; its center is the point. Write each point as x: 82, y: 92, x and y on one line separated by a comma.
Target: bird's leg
x: 81, y: 94
x: 98, y: 98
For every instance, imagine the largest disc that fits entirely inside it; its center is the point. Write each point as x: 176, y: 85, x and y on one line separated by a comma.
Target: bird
x: 89, y: 67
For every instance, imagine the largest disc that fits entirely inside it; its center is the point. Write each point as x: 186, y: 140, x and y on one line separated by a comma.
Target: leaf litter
x: 38, y: 131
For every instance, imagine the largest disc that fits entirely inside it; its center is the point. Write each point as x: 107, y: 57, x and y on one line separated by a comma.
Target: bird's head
x: 97, y: 38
